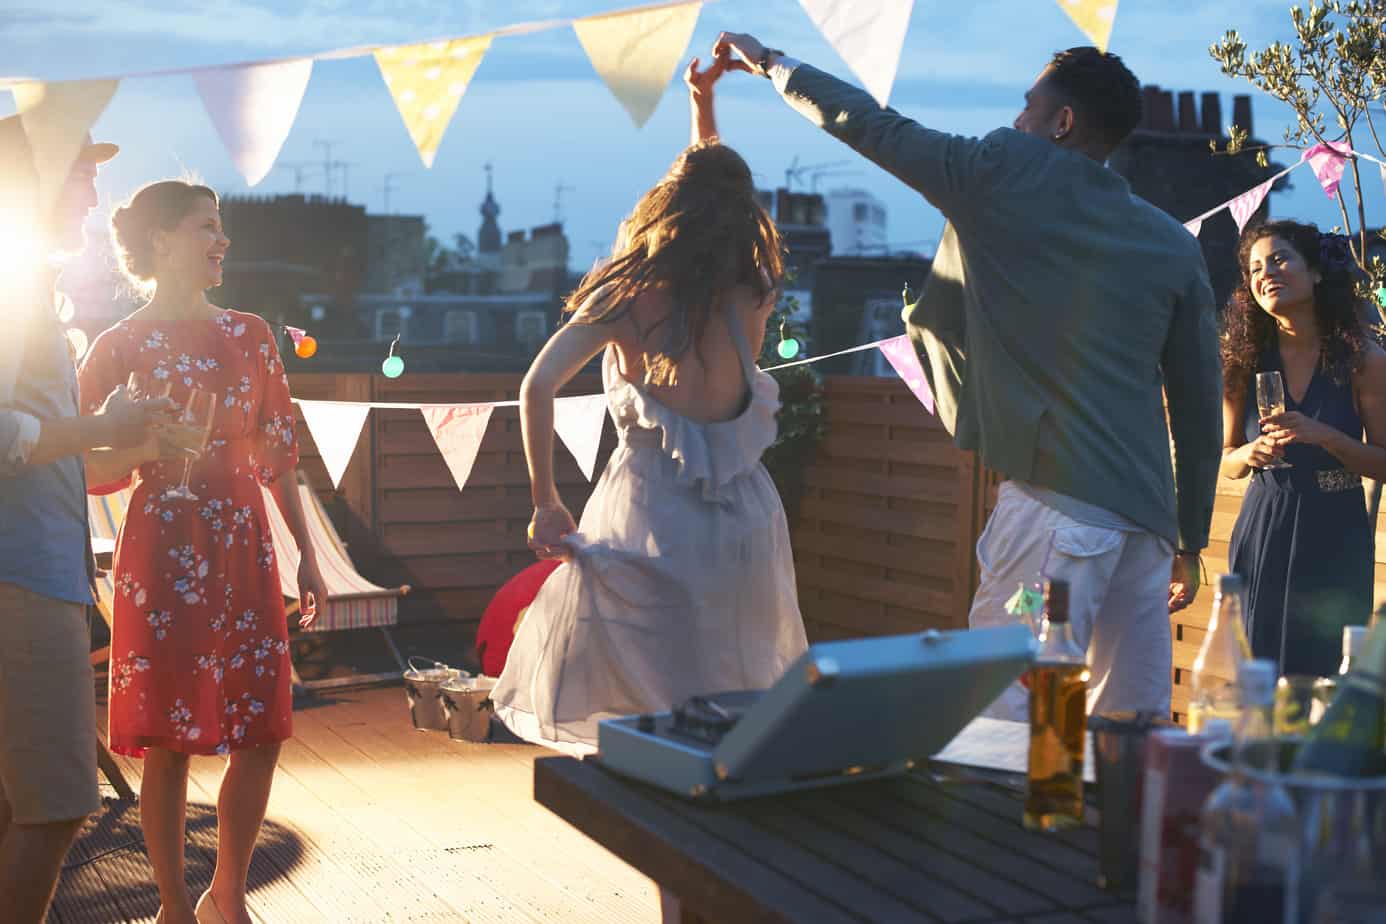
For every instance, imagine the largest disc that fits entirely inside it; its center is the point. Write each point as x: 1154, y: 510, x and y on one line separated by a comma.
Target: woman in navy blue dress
x: 1302, y: 541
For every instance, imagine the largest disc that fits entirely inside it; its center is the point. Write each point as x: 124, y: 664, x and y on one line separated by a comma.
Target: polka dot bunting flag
x: 427, y: 82
x: 1094, y: 17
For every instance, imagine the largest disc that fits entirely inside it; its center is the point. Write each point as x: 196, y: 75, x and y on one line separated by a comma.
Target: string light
x: 1381, y: 295
x: 393, y: 366
x: 305, y: 344
x: 788, y: 347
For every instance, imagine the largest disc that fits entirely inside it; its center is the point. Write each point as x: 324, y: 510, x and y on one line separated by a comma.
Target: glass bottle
x: 1327, y: 687
x: 1249, y: 834
x: 1224, y: 648
x: 1350, y: 739
x: 1058, y: 684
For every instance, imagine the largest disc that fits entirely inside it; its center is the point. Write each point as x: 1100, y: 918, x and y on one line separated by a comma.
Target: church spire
x: 488, y: 239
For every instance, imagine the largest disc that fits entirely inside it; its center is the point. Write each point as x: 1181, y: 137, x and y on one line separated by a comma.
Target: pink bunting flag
x: 1245, y: 205
x: 336, y: 428
x: 296, y: 334
x: 578, y: 422
x: 1194, y: 226
x: 1327, y: 161
x: 905, y: 361
x: 458, y: 429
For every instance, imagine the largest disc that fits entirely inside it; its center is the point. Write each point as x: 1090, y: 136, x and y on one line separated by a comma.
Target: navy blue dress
x: 1302, y: 541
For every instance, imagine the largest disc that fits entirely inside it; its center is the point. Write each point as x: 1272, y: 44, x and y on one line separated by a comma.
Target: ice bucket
x: 423, y: 689
x: 1341, y: 820
x: 467, y: 705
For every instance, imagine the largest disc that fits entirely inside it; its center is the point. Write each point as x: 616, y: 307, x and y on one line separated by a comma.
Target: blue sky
x: 538, y: 111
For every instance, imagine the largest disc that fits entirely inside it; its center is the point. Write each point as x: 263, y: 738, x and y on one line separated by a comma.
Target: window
x: 460, y: 326
x: 392, y: 322
x: 860, y: 211
x: 531, y: 327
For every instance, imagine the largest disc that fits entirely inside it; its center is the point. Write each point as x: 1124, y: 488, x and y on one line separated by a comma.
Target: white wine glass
x: 1270, y: 401
x: 143, y: 386
x: 190, y: 434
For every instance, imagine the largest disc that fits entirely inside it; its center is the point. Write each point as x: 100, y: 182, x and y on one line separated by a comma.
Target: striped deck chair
x: 352, y: 601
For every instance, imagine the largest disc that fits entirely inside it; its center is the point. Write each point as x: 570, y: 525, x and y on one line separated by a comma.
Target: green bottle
x: 1350, y: 739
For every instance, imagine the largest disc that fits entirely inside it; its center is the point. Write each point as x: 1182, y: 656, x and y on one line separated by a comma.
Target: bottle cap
x: 1056, y: 599
x: 1230, y: 584
x: 1353, y: 637
x: 1370, y: 658
x: 1256, y: 682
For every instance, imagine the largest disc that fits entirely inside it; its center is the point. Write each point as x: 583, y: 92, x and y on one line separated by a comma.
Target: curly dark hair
x: 1248, y: 331
x: 1099, y: 87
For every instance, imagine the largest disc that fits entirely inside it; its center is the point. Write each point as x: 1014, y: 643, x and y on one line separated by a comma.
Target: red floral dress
x: 199, y: 646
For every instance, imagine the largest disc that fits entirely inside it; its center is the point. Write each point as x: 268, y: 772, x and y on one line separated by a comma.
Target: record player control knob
x: 646, y: 723
x: 931, y: 637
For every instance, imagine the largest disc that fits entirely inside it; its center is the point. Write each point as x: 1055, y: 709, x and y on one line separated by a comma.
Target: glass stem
x: 187, y: 473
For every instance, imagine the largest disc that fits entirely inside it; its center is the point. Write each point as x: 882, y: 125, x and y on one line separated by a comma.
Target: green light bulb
x: 393, y: 367
x: 788, y: 348
x: 1381, y: 295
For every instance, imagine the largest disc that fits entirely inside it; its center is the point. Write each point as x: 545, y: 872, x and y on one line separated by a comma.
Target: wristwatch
x: 763, y: 63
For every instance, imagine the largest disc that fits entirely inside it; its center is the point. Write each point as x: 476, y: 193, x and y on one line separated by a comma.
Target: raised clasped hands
x: 547, y: 529
x: 700, y: 82
x: 743, y: 51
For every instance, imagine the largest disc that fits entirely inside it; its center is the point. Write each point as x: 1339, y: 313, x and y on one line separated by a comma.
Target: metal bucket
x: 423, y: 689
x: 1342, y: 821
x: 467, y: 705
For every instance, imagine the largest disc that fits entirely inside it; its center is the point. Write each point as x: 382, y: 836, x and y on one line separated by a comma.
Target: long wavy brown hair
x: 698, y: 234
x: 1248, y: 331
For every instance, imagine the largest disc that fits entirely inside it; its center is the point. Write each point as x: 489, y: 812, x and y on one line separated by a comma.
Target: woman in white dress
x: 679, y: 580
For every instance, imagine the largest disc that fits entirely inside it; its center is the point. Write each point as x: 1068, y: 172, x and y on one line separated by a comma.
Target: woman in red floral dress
x: 199, y: 646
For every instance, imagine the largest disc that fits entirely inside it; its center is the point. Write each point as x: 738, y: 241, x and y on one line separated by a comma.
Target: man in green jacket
x: 1062, y: 316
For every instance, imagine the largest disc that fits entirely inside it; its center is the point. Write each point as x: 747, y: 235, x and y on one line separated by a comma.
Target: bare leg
x: 163, y: 815
x: 31, y: 860
x: 241, y: 804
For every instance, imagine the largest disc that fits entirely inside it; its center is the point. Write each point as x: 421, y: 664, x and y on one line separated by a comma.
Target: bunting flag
x: 1094, y: 17
x: 636, y: 53
x: 868, y: 34
x: 1382, y: 167
x: 253, y: 108
x: 899, y: 351
x: 1245, y: 205
x: 296, y: 334
x: 427, y: 82
x: 578, y: 422
x: 1327, y: 161
x: 56, y: 119
x: 1194, y: 226
x: 335, y: 427
x: 458, y: 429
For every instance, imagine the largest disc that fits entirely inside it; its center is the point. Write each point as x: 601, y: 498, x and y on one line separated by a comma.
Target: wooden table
x: 910, y: 849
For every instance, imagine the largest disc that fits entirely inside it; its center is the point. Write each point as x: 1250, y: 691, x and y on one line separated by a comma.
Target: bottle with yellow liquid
x: 1058, y: 720
x: 1224, y: 649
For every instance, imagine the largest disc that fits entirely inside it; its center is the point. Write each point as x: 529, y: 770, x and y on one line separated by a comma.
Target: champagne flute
x: 143, y: 386
x: 191, y: 434
x: 1270, y: 401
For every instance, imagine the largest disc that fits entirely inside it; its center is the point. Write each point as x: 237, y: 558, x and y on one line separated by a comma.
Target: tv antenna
x: 300, y: 169
x: 795, y: 173
x: 558, y: 191
x: 327, y: 163
x: 345, y: 167
x: 389, y: 187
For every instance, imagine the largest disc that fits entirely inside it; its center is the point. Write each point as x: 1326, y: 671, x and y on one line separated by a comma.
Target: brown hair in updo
x: 156, y: 207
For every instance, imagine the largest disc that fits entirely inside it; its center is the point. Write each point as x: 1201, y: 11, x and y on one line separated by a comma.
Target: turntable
x: 844, y: 711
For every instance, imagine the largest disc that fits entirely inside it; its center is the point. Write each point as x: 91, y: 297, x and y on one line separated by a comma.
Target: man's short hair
x: 1101, y: 89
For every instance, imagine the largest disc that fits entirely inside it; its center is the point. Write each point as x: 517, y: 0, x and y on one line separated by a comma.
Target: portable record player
x: 845, y: 711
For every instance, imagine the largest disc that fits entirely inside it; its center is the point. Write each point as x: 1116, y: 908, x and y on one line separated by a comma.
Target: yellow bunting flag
x: 1094, y: 17
x: 56, y: 119
x: 427, y: 82
x: 637, y: 53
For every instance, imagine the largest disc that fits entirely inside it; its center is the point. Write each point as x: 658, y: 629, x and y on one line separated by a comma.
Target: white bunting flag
x: 56, y: 119
x: 1094, y: 17
x: 1245, y: 205
x: 1382, y: 167
x: 427, y: 82
x: 578, y: 422
x: 1327, y: 161
x: 868, y: 34
x: 253, y: 108
x: 637, y: 53
x: 1193, y: 226
x: 458, y: 429
x: 899, y: 351
x: 335, y: 427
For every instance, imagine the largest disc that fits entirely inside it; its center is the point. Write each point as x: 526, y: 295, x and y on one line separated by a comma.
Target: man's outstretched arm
x: 943, y: 168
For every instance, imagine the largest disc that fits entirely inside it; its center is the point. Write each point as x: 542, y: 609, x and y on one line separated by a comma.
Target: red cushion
x: 497, y: 629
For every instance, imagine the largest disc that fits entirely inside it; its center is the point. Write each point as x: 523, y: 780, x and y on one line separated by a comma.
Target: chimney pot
x: 1162, y: 117
x: 1241, y: 113
x: 1212, y: 114
x: 1188, y: 112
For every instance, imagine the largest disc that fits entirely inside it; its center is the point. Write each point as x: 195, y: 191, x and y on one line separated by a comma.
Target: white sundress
x: 681, y: 582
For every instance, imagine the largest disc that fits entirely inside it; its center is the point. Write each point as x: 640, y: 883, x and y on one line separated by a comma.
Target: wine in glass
x: 190, y: 434
x: 1270, y: 401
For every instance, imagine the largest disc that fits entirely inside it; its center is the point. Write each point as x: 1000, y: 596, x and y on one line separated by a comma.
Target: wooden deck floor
x: 373, y: 821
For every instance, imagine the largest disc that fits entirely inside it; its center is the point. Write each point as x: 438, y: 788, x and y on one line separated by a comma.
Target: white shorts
x: 1118, y: 599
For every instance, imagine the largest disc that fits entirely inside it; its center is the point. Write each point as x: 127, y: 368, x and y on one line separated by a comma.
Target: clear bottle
x: 1058, y: 684
x: 1249, y: 833
x: 1327, y: 687
x: 1224, y: 648
x: 1350, y: 739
